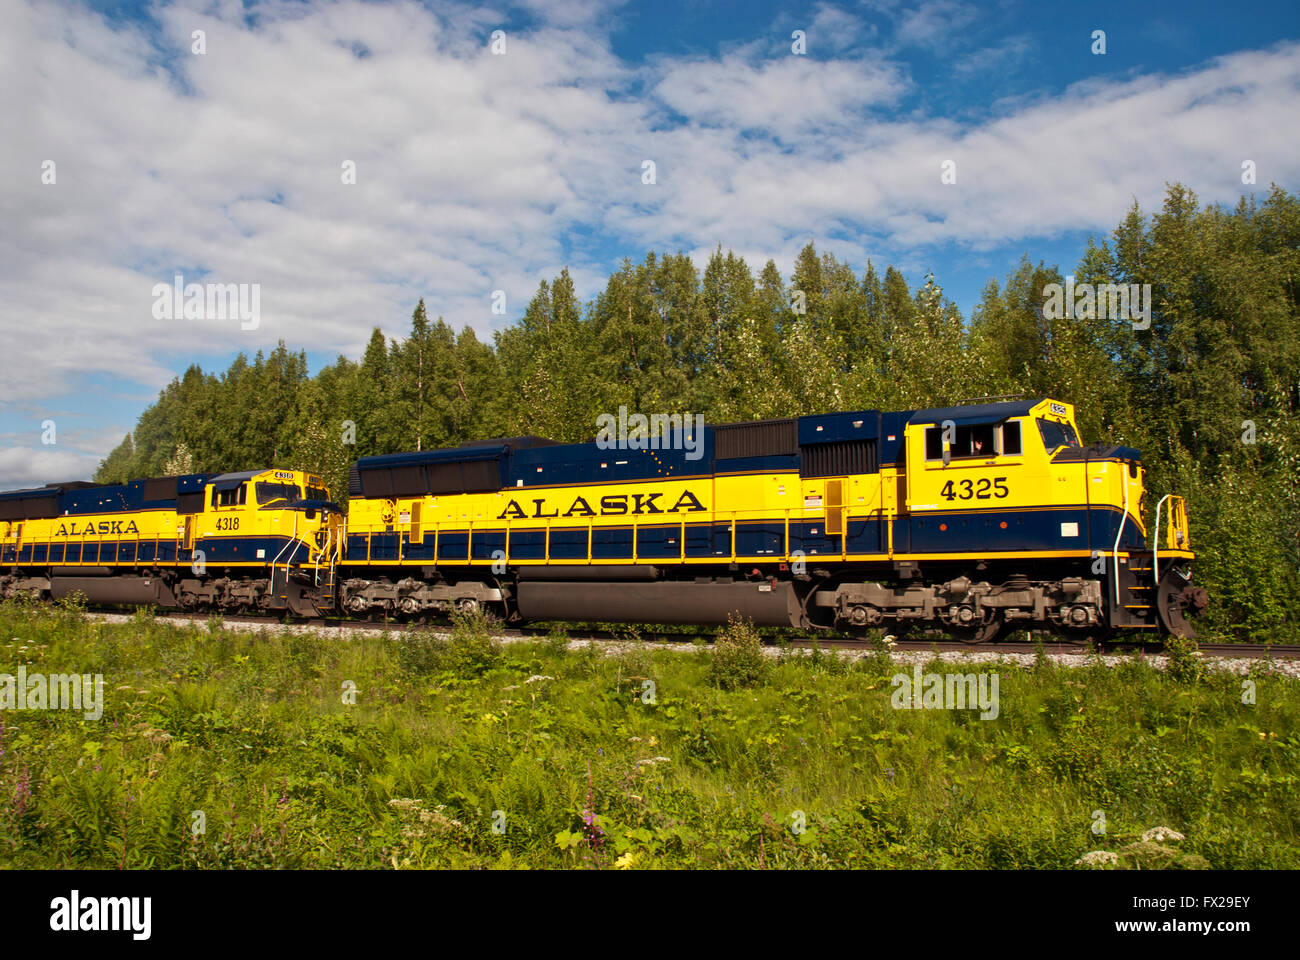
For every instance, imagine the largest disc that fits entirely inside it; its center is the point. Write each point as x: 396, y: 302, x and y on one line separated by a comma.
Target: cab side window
x: 1011, y: 438
x: 933, y: 443
x: 969, y: 442
x: 231, y: 498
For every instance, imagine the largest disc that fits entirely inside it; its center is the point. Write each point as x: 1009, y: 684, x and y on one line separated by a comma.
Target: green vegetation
x: 1210, y: 393
x: 647, y: 758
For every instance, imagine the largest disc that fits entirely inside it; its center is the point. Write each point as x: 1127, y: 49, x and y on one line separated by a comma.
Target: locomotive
x: 260, y: 540
x: 972, y: 520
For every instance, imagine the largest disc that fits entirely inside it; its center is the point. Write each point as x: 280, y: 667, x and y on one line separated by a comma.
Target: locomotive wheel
x: 981, y: 634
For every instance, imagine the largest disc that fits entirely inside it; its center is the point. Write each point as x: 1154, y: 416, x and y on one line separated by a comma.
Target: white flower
x: 1098, y: 858
x: 1160, y: 834
x: 538, y: 676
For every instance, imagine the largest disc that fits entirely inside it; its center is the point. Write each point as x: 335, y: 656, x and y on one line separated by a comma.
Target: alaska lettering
x: 71, y: 528
x: 612, y: 505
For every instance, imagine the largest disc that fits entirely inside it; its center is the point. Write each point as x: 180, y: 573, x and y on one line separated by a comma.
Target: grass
x: 220, y: 748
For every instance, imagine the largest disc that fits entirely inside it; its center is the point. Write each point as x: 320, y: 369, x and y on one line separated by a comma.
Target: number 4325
x: 968, y: 489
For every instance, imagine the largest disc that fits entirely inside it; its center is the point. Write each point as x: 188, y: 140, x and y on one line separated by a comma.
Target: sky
x: 345, y: 159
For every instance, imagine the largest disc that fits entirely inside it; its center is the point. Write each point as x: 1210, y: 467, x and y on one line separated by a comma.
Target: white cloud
x: 1001, y: 59
x: 791, y: 96
x: 24, y: 467
x: 836, y: 30
x: 935, y: 23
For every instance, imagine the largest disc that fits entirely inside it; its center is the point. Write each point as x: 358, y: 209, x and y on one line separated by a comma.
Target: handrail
x: 324, y: 551
x: 292, y: 539
x: 1123, y: 479
x: 1155, y: 540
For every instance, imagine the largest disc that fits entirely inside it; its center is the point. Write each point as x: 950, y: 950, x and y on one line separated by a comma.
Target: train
x: 974, y: 521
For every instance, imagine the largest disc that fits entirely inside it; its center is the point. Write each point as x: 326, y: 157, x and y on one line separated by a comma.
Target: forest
x: 1209, y: 391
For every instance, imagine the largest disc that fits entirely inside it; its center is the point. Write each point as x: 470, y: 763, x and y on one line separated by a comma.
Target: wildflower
x: 1161, y: 834
x: 1098, y: 858
x: 538, y: 676
x: 23, y: 792
x: 424, y: 820
x: 595, y: 835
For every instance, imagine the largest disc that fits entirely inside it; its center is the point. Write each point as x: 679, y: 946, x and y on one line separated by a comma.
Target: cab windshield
x: 1057, y: 434
x: 317, y: 493
x: 271, y: 492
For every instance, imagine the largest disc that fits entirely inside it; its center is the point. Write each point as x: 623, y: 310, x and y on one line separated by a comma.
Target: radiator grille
x: 763, y: 438
x: 842, y: 459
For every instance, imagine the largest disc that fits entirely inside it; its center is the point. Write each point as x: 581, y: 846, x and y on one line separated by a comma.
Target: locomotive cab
x: 284, y: 517
x: 1012, y: 482
x: 1015, y: 477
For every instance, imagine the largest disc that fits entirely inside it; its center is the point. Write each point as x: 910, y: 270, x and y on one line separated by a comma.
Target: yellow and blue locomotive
x: 254, y: 541
x: 970, y: 519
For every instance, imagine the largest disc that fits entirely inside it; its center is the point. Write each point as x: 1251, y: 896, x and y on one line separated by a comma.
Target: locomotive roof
x: 487, y: 451
x: 975, y: 413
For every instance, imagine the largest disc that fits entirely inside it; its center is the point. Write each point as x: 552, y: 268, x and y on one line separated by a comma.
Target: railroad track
x: 1227, y: 650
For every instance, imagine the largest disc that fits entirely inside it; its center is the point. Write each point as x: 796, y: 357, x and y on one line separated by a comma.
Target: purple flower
x: 23, y: 792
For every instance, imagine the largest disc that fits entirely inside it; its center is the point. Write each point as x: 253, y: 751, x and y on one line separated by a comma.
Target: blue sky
x: 479, y: 172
